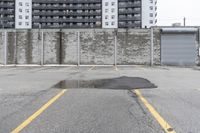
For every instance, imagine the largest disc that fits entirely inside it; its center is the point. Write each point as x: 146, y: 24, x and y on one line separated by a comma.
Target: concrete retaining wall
x: 69, y: 47
x: 157, y: 46
x: 133, y: 47
x: 84, y: 47
x: 97, y: 47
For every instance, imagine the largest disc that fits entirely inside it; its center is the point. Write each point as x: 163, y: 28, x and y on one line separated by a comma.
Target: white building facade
x: 109, y: 13
x: 149, y: 13
x: 23, y: 14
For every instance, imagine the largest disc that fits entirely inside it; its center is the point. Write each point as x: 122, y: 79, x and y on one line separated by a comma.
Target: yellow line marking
x: 91, y: 68
x: 38, y: 112
x: 156, y: 115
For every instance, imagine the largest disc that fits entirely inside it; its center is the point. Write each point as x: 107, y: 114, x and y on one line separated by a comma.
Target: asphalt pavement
x: 99, y: 99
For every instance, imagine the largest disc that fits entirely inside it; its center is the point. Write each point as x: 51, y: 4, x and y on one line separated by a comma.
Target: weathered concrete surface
x: 1, y: 48
x: 69, y: 47
x: 36, y: 42
x: 97, y: 47
x: 52, y: 47
x: 157, y: 46
x: 133, y: 47
x: 28, y: 47
x: 11, y: 47
x: 22, y: 47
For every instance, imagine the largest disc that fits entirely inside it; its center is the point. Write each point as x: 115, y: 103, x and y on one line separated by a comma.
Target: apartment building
x: 7, y: 13
x: 27, y: 14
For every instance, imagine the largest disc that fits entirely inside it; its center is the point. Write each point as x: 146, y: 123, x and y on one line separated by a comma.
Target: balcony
x: 4, y: 5
x: 66, y: 14
x: 60, y: 7
x: 74, y: 20
x: 130, y: 5
x: 123, y: 12
x: 6, y: 12
x: 67, y: 1
x: 129, y: 18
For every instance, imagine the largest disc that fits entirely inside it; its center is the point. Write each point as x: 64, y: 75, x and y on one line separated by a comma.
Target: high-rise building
x: 27, y: 14
x: 23, y: 14
x: 149, y: 13
x: 7, y: 13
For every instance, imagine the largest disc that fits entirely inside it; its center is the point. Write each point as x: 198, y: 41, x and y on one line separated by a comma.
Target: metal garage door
x: 178, y: 49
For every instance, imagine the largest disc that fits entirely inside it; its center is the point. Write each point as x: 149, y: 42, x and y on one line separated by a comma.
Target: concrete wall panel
x: 97, y: 47
x: 69, y: 47
x: 133, y: 47
x: 52, y: 47
x: 23, y: 46
x: 36, y: 43
x: 11, y: 47
x: 157, y: 47
x: 28, y: 47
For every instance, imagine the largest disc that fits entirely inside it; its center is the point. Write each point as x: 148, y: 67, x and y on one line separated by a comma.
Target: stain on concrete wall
x: 69, y: 47
x: 133, y: 47
x: 21, y: 43
x: 25, y: 48
x: 97, y: 47
x: 36, y: 43
x: 157, y: 46
x: 1, y: 48
x: 52, y: 47
x: 11, y: 47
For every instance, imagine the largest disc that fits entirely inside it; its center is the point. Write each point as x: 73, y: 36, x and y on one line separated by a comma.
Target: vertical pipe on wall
x: 152, y: 48
x: 60, y: 50
x: 115, y: 37
x: 78, y: 48
x: 5, y: 48
x: 199, y: 41
x: 42, y: 49
x: 15, y: 49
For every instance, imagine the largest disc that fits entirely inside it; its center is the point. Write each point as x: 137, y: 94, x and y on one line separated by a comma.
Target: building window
x: 27, y: 10
x: 106, y: 10
x: 151, y: 1
x: 20, y: 23
x: 106, y: 17
x: 27, y: 4
x: 151, y: 7
x: 20, y: 16
x: 113, y: 17
x: 151, y: 14
x: 106, y: 23
x: 113, y: 23
x: 113, y: 10
x: 106, y: 4
x: 113, y: 3
x: 26, y: 17
x: 20, y: 10
x: 20, y: 3
x: 27, y: 23
x: 151, y: 21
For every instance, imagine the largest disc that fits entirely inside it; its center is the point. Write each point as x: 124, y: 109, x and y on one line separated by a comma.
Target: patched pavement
x: 99, y: 99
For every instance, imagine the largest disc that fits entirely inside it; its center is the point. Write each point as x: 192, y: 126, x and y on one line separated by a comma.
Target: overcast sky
x: 173, y: 11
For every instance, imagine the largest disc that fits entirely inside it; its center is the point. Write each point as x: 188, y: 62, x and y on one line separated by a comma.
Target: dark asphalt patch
x: 121, y: 83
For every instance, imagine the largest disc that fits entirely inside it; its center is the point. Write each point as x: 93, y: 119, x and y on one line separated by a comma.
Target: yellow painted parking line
x: 91, y: 68
x: 167, y: 128
x: 38, y: 112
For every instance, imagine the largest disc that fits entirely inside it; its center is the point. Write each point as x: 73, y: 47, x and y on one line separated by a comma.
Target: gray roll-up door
x: 178, y: 49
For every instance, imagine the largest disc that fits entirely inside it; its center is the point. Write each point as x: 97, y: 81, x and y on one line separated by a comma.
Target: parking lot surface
x: 97, y: 99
